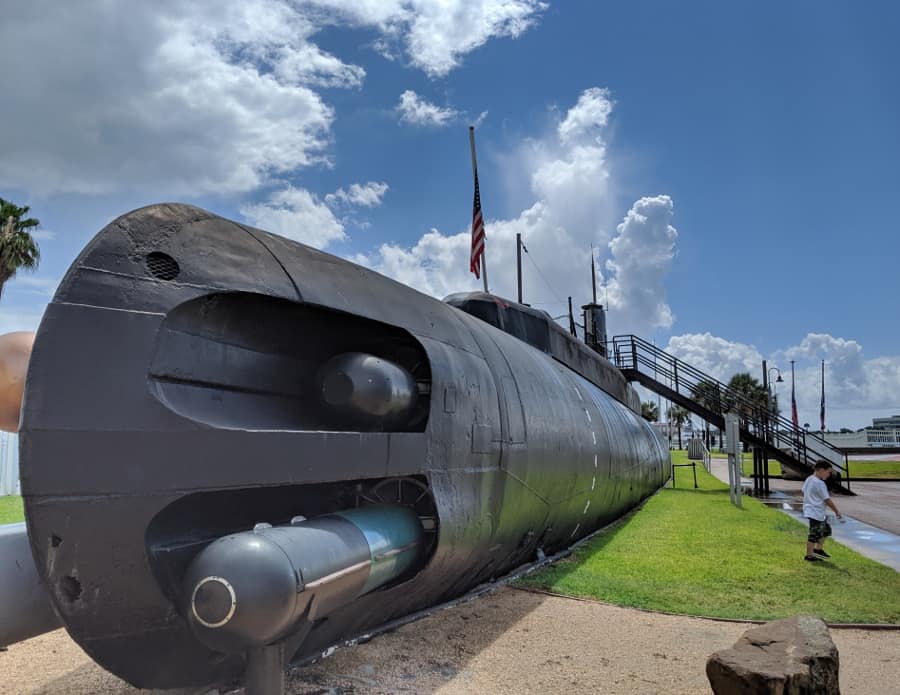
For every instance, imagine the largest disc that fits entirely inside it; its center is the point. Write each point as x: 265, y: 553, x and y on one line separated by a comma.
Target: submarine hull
x: 174, y: 397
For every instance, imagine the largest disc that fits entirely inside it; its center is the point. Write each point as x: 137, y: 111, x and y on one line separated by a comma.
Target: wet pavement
x: 872, y: 516
x: 875, y: 543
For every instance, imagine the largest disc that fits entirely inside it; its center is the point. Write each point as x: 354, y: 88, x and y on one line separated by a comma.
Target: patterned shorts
x: 818, y: 531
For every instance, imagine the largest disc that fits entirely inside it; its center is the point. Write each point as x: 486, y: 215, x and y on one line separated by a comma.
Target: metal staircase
x: 701, y: 394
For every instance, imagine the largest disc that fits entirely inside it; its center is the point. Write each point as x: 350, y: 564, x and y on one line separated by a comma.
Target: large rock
x: 794, y: 656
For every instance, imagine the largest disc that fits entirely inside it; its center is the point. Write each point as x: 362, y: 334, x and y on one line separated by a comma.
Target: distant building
x: 869, y: 437
x: 886, y: 423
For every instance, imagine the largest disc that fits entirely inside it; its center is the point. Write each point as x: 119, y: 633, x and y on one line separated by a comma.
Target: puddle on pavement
x: 875, y: 543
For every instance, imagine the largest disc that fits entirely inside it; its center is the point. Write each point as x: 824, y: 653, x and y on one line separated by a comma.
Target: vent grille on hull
x: 162, y: 266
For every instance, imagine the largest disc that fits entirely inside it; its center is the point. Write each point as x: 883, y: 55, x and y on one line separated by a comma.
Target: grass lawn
x: 11, y: 509
x: 858, y: 469
x: 747, y: 466
x: 692, y: 552
x: 874, y: 469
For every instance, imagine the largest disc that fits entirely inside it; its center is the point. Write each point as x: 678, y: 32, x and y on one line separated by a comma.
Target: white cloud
x: 308, y: 64
x: 297, y: 214
x: 367, y: 195
x: 443, y: 31
x: 846, y: 371
x: 438, y: 33
x: 415, y: 110
x: 588, y: 116
x: 173, y: 98
x: 43, y: 235
x: 177, y: 98
x: 718, y: 357
x: 856, y: 389
x: 642, y: 254
x: 571, y: 206
x: 431, y: 266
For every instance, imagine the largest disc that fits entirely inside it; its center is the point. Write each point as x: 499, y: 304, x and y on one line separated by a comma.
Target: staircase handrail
x: 633, y: 352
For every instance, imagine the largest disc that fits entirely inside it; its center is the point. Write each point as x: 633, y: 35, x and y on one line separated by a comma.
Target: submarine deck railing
x: 705, y: 396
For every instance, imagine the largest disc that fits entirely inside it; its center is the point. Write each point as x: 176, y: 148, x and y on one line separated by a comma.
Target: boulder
x: 794, y: 656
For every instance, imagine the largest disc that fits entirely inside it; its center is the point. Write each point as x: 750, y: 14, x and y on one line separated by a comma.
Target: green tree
x: 708, y: 394
x: 677, y: 417
x: 753, y: 396
x: 649, y: 411
x: 18, y: 248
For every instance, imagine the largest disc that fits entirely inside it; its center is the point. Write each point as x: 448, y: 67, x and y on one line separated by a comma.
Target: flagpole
x: 475, y: 176
x: 794, y: 419
x: 822, y: 406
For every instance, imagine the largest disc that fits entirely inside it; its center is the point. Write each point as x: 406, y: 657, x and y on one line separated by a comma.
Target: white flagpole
x: 475, y: 177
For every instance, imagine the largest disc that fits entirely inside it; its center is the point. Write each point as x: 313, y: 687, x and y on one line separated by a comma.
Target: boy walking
x: 815, y: 499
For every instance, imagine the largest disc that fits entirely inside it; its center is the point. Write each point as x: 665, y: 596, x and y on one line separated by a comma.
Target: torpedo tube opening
x: 254, y: 588
x: 248, y: 361
x: 242, y: 558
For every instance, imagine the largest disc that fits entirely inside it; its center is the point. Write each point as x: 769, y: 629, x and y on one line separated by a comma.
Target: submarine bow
x: 231, y: 440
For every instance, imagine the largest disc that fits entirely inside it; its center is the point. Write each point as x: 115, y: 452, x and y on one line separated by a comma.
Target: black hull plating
x: 168, y: 404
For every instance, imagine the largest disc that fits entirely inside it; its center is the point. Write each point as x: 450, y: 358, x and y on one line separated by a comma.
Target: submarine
x: 237, y: 450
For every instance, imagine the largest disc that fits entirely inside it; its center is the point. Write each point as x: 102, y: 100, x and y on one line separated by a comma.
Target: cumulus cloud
x: 436, y: 34
x: 367, y: 195
x: 849, y: 378
x: 718, y: 357
x: 177, y: 98
x: 208, y: 97
x: 588, y: 116
x: 856, y: 389
x: 415, y: 110
x: 642, y: 254
x: 297, y: 214
x: 571, y: 207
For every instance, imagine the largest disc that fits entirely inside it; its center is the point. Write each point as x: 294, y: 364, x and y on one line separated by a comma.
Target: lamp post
x: 773, y: 392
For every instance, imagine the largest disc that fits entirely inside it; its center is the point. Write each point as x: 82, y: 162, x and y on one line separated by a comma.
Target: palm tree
x: 18, y: 248
x: 753, y: 396
x: 649, y: 411
x: 677, y: 417
x: 753, y: 399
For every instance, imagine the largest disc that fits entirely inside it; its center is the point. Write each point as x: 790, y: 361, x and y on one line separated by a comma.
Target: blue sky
x: 765, y: 134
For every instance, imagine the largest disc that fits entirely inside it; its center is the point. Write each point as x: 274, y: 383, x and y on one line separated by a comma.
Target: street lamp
x: 773, y: 397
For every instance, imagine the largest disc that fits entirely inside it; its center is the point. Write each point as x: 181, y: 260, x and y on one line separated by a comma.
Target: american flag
x: 477, y: 233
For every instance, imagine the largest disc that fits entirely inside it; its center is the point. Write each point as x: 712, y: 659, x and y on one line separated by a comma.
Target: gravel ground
x: 511, y: 641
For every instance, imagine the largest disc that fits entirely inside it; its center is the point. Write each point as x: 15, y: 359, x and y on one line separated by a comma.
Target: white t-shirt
x: 815, y: 492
